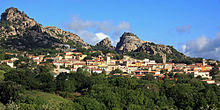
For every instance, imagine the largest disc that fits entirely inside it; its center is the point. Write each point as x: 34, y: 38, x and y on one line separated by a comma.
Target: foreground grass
x: 36, y: 100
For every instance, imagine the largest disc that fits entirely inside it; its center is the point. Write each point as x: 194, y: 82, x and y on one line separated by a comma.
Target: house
x: 61, y: 70
x: 203, y: 74
x: 111, y: 67
x: 139, y: 76
x: 123, y: 68
x: 78, y: 65
x: 96, y: 70
x: 57, y: 58
x: 168, y: 66
x: 209, y: 81
x: 9, y: 63
x: 73, y: 69
x: 37, y: 61
x: 92, y: 66
x: 152, y: 62
x: 77, y: 53
x: 137, y: 72
x: 36, y: 58
x: 68, y: 64
x: 68, y: 57
x: 68, y: 53
x: 207, y: 67
x: 14, y: 59
x: 81, y: 57
x: 58, y: 64
x: 131, y: 69
x: 146, y: 72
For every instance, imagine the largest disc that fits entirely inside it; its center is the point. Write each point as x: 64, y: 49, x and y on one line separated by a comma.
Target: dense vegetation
x: 103, y: 49
x: 36, y: 88
x: 27, y: 42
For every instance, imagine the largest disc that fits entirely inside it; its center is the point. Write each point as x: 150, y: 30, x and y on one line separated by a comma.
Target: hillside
x: 36, y: 100
x: 19, y: 31
x: 132, y: 45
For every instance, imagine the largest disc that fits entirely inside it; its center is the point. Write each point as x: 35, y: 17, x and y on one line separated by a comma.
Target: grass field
x: 37, y: 100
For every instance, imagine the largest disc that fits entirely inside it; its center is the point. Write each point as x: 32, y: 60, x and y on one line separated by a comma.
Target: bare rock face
x: 131, y: 43
x: 65, y: 36
x: 105, y: 43
x: 20, y: 32
x: 14, y: 22
x: 154, y: 49
x: 128, y: 42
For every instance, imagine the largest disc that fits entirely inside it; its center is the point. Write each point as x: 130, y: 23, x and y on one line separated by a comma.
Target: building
x: 203, y: 74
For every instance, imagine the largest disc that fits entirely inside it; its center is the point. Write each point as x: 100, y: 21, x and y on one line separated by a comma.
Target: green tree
x: 116, y: 71
x: 9, y: 91
x: 64, y: 82
x: 47, y: 82
x: 4, y: 67
x: 182, y: 94
x: 124, y: 82
x: 90, y: 103
x: 214, y: 71
x: 149, y: 77
x: 2, y: 77
x: 25, y: 77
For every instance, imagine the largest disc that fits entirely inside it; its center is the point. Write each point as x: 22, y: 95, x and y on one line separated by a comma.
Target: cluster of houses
x: 71, y: 61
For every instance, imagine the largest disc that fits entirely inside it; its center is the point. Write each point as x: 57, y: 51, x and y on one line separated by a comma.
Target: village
x: 71, y: 61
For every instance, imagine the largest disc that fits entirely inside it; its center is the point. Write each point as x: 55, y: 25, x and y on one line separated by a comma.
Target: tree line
x: 94, y: 91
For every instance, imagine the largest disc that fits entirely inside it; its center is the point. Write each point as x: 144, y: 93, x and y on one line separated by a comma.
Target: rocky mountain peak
x: 20, y: 31
x: 128, y: 42
x: 13, y: 15
x: 14, y: 22
x: 129, y: 34
x: 9, y: 13
x: 105, y: 43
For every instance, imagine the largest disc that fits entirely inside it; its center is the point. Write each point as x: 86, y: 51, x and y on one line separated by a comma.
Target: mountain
x: 132, y: 45
x: 19, y: 31
x: 105, y: 43
x: 128, y: 43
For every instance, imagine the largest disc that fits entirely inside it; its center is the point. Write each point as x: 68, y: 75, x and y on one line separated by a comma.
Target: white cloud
x: 88, y: 36
x: 124, y: 26
x: 94, y: 31
x: 183, y: 29
x: 183, y: 48
x: 203, y: 47
x: 92, y: 38
x: 101, y: 36
x: 78, y: 24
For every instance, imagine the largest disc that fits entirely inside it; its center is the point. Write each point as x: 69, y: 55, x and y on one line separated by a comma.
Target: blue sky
x: 191, y: 26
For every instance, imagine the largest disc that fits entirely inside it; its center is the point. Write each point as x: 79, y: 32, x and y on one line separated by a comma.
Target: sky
x: 191, y: 26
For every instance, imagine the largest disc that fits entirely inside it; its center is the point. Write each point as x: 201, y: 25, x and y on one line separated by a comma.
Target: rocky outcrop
x: 105, y: 43
x: 14, y: 22
x: 19, y: 31
x: 131, y: 43
x: 154, y: 49
x: 128, y: 42
x: 65, y: 36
